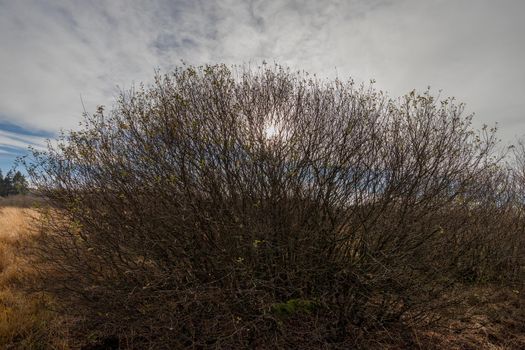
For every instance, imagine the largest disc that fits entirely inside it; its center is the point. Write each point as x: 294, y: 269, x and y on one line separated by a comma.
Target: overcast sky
x: 51, y: 52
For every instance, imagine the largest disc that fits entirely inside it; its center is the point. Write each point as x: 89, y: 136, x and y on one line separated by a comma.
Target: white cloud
x: 53, y: 53
x: 16, y: 140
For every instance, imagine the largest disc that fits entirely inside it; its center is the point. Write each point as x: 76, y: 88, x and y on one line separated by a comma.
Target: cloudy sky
x: 53, y: 52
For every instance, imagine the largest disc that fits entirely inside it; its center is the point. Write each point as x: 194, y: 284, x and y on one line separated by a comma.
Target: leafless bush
x: 241, y: 208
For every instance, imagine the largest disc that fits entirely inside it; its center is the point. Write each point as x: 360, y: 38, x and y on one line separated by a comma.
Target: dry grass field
x: 26, y: 322
x: 488, y: 318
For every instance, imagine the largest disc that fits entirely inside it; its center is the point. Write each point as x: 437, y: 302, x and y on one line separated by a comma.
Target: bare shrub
x: 242, y: 208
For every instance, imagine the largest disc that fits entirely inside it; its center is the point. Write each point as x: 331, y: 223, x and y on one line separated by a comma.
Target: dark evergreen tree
x: 13, y: 183
x: 19, y: 184
x: 2, y: 185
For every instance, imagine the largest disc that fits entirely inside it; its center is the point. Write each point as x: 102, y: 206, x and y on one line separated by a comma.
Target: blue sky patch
x: 15, y: 140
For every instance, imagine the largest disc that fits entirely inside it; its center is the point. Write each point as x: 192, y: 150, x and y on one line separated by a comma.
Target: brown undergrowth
x: 486, y: 317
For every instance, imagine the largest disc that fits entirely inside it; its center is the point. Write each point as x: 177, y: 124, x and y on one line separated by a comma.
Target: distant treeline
x: 13, y: 183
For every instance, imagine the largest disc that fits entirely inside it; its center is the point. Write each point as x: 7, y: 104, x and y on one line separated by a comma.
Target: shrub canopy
x: 205, y: 202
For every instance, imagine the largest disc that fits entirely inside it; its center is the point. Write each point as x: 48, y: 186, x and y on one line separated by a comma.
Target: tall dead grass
x: 26, y: 321
x: 14, y: 222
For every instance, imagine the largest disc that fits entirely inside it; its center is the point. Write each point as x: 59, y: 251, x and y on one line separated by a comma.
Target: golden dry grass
x: 14, y: 222
x: 14, y: 228
x: 25, y: 321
